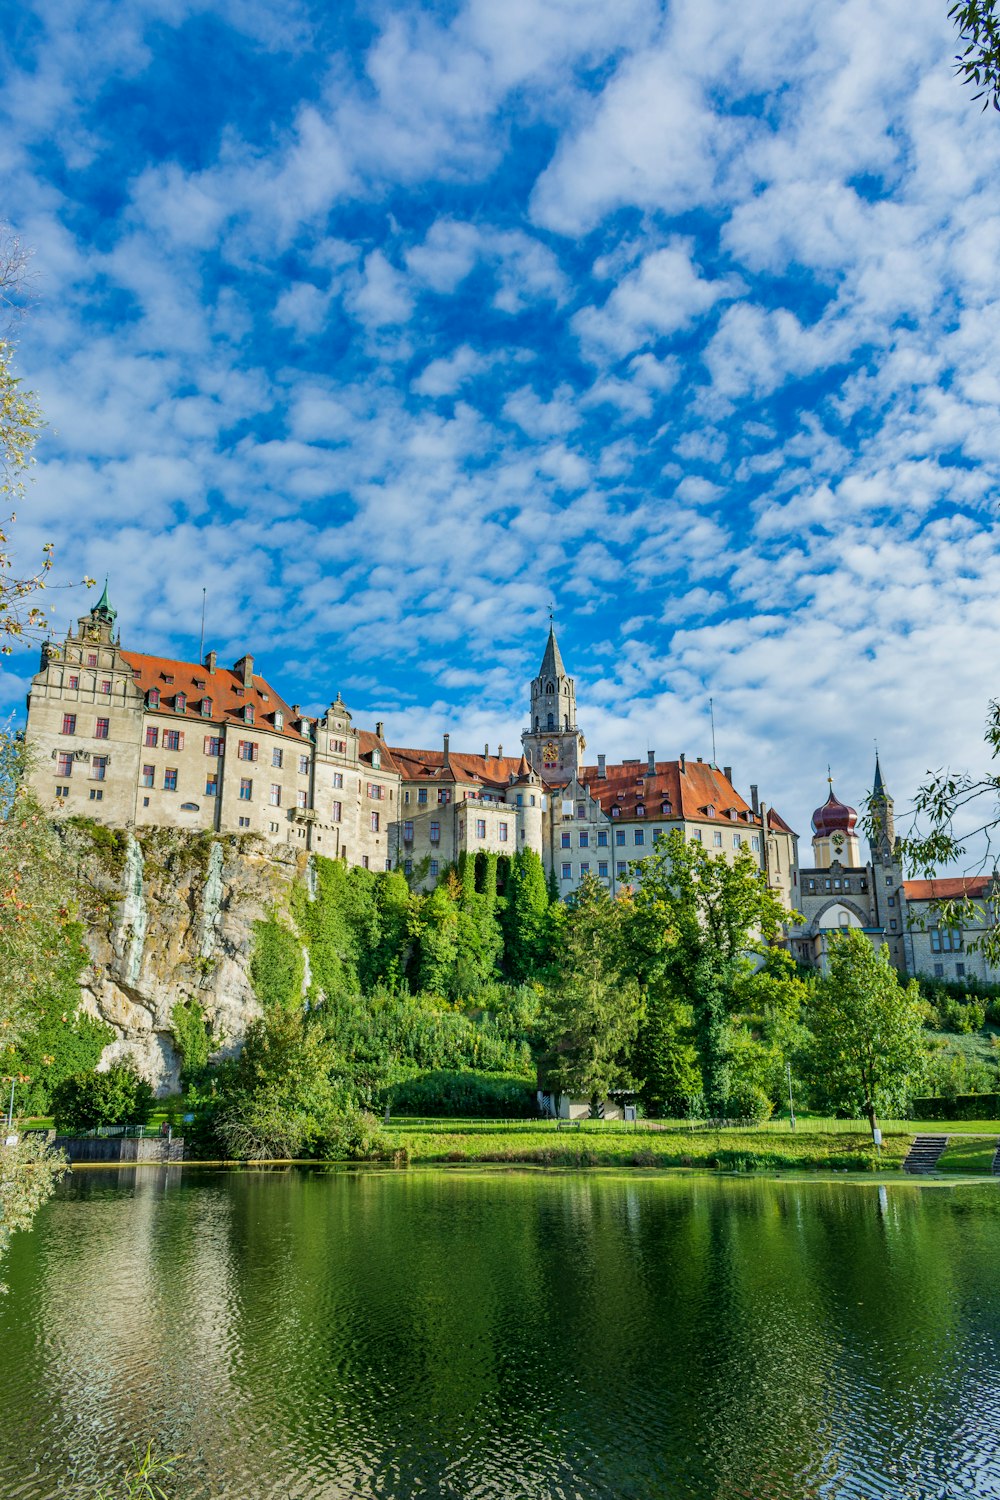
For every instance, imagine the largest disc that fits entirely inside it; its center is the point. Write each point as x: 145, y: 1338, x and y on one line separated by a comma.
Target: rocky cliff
x: 170, y: 917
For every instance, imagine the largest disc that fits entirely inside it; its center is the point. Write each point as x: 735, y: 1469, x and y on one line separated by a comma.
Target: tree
x: 866, y: 1028
x: 979, y: 27
x: 118, y: 1096
x: 526, y: 925
x: 592, y: 1011
x: 699, y: 926
x: 28, y: 1173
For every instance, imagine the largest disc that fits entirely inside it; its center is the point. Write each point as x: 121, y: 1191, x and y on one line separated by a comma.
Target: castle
x: 135, y: 740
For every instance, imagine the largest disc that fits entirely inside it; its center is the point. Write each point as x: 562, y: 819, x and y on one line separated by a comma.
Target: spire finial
x: 829, y: 777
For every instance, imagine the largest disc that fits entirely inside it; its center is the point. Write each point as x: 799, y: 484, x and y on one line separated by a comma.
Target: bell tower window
x: 551, y: 721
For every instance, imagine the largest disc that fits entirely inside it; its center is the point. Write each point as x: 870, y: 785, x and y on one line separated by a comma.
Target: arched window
x: 551, y: 722
x: 537, y: 721
x: 550, y: 687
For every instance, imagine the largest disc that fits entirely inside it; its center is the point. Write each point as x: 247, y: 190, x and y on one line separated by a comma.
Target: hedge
x: 961, y: 1107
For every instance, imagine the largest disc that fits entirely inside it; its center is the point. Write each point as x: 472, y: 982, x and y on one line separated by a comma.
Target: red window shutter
x: 256, y: 747
x: 208, y: 744
x: 180, y: 740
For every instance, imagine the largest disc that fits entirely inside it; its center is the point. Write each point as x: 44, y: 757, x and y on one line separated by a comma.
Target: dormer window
x: 168, y: 676
x: 206, y: 708
x: 710, y: 810
x: 199, y: 682
x: 304, y: 728
x: 376, y: 759
x: 640, y: 811
x: 666, y: 809
x: 248, y: 713
x: 239, y: 692
x: 616, y: 812
x: 180, y: 702
x: 279, y: 720
x: 733, y: 815
x: 154, y: 698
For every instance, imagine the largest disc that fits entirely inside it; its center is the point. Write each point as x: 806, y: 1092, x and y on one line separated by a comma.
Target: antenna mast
x: 711, y: 715
x: 201, y: 653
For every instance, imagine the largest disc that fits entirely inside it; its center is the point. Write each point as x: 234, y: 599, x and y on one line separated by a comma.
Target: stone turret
x: 552, y: 742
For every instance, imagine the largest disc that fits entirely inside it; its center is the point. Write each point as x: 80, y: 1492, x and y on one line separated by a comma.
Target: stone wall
x: 170, y: 917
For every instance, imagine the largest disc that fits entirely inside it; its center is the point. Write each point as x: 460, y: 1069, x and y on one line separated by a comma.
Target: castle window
x: 206, y: 708
x: 531, y: 799
x: 374, y: 822
x: 666, y: 809
x: 376, y: 759
x: 69, y: 724
x: 91, y: 658
x: 173, y: 739
x: 106, y: 685
x: 755, y: 844
x: 480, y: 828
x: 550, y: 687
x: 602, y: 868
x: 581, y: 809
x: 565, y: 841
x: 640, y: 811
x: 152, y: 736
x: 181, y: 703
x: 74, y: 681
x: 620, y: 867
x: 696, y: 836
x: 199, y: 682
x: 374, y: 789
x: 616, y: 812
x: 717, y: 840
x: 275, y: 794
x: 338, y: 778
x: 584, y: 869
x: 640, y: 835
x: 302, y: 799
x: 435, y: 866
x: 170, y: 779
x: 551, y: 722
x: 435, y: 832
x: 168, y: 676
x: 211, y: 786
x: 710, y: 810
x: 102, y: 729
x: 584, y: 838
x: 408, y: 867
x: 502, y: 833
x: 248, y: 713
x: 64, y: 763
x: 602, y: 838
x: 958, y: 967
x: 244, y: 822
x: 339, y: 747
x: 247, y: 749
x: 96, y: 795
x: 277, y: 756
x: 408, y: 832
x: 567, y: 872
x: 279, y: 720
x: 213, y: 744
x: 444, y: 794
x: 153, y: 698
x: 149, y: 775
x: 337, y: 812
x: 421, y: 796
x: 619, y: 835
x: 246, y: 789
x: 737, y: 841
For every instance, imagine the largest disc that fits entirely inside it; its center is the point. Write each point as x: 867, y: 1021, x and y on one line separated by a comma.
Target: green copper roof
x: 102, y: 610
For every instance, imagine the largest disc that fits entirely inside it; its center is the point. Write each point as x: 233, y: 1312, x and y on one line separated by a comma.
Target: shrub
x: 277, y: 966
x: 118, y: 1096
x: 746, y: 1102
x: 353, y: 1136
x: 482, y: 1095
x: 192, y: 1038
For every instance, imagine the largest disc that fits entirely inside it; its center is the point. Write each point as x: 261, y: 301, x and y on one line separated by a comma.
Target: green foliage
x: 497, y: 1096
x: 956, y: 1107
x: 277, y: 966
x: 277, y: 1098
x: 666, y: 1062
x: 107, y: 845
x: 119, y: 1096
x: 141, y: 1480
x: 593, y: 1012
x: 867, y: 1044
x: 979, y: 64
x: 192, y: 1038
x: 698, y: 926
x: 29, y: 1172
x: 527, y: 929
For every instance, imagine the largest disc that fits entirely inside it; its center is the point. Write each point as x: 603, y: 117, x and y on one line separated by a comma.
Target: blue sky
x: 390, y: 323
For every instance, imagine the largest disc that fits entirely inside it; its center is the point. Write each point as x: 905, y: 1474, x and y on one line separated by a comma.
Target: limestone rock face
x: 170, y: 917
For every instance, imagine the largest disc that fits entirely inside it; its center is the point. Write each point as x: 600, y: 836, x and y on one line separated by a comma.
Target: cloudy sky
x: 390, y: 324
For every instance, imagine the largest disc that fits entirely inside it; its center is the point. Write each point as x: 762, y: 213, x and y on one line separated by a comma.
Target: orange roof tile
x: 223, y: 687
x: 423, y: 765
x: 946, y: 889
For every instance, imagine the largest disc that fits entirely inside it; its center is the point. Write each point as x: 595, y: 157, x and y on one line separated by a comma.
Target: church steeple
x: 102, y: 610
x: 882, y: 821
x: 552, y: 742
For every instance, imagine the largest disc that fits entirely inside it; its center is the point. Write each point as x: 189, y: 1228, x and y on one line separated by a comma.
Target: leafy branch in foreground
x: 979, y: 64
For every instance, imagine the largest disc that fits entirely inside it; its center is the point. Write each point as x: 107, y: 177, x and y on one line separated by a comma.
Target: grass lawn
x: 604, y: 1147
x: 971, y: 1157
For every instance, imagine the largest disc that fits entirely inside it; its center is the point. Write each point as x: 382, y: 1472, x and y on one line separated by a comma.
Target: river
x: 331, y: 1333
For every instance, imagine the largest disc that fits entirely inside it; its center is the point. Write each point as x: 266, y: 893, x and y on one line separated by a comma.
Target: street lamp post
x: 791, y: 1106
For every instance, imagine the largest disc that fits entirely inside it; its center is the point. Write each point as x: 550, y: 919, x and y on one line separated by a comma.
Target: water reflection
x: 328, y: 1334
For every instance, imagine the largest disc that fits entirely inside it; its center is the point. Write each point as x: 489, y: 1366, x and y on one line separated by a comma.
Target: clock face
x: 550, y: 754
x: 838, y: 841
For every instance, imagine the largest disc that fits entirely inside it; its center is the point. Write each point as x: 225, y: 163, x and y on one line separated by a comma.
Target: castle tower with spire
x: 887, y: 868
x: 552, y: 742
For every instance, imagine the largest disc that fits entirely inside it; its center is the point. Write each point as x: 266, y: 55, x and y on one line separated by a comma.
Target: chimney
x: 499, y: 752
x: 245, y: 667
x: 651, y: 757
x: 379, y: 730
x: 602, y: 761
x: 447, y: 740
x: 754, y: 802
x: 210, y: 661
x: 295, y: 709
x: 486, y: 752
x: 683, y: 763
x: 727, y: 772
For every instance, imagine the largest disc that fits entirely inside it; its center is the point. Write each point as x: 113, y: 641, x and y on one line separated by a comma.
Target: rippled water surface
x: 326, y: 1334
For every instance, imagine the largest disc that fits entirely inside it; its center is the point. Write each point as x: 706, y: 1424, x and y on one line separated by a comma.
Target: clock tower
x: 552, y: 742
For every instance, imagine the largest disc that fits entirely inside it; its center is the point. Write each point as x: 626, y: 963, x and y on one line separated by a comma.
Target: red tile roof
x: 690, y: 793
x: 949, y: 888
x: 223, y: 686
x: 367, y: 742
x: 423, y: 765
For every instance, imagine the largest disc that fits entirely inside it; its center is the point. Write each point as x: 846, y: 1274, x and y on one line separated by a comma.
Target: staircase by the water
x: 924, y: 1153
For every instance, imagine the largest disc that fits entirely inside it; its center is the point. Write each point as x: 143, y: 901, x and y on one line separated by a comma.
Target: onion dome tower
x: 835, y: 840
